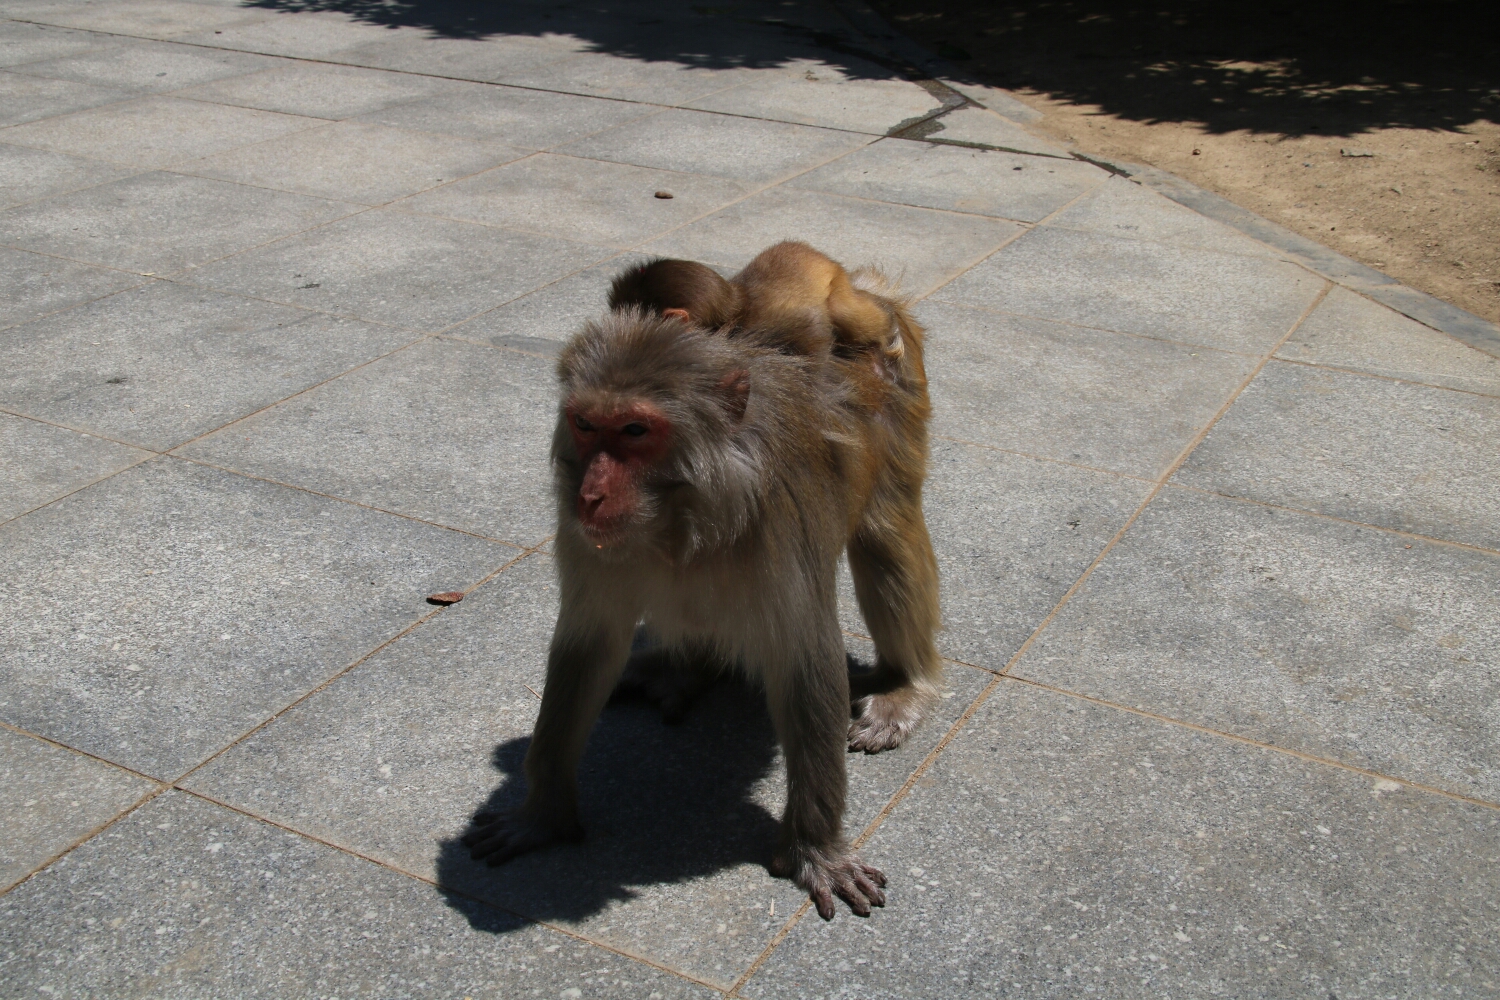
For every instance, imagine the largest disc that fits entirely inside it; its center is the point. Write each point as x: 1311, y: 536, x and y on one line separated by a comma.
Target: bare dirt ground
x: 1264, y: 103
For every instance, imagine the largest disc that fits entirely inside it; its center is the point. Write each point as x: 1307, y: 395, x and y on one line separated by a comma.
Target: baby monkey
x: 811, y: 302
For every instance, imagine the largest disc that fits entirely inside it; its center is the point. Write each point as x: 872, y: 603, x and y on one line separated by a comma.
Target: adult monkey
x: 706, y: 484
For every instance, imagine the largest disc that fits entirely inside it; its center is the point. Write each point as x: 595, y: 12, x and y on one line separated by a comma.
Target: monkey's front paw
x: 827, y: 873
x: 884, y: 721
x: 496, y: 839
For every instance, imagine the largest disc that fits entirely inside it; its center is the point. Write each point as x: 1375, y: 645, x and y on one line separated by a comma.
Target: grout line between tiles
x: 398, y: 870
x: 932, y: 755
x: 1250, y: 741
x: 1397, y: 378
x: 347, y: 500
x: 1415, y: 536
x: 1042, y: 458
x: 54, y: 859
x: 362, y: 658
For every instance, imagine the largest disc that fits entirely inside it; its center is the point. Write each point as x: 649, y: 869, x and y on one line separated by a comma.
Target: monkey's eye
x: 582, y: 424
x: 634, y: 430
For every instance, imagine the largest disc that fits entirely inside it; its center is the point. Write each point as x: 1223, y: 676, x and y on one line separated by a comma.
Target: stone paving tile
x: 32, y: 174
x: 478, y: 59
x: 1061, y: 849
x: 1113, y: 401
x: 50, y: 797
x: 156, y: 131
x: 319, y: 90
x: 918, y: 247
x: 749, y: 149
x: 33, y: 285
x: 147, y: 67
x: 172, y: 607
x: 446, y: 431
x: 28, y: 43
x: 303, y: 34
x: 397, y: 267
x: 1011, y: 536
x: 984, y: 126
x: 1179, y: 293
x: 155, y: 223
x: 186, y: 899
x: 981, y: 182
x: 43, y: 462
x: 599, y: 74
x: 1323, y: 637
x: 530, y: 118
x: 354, y: 161
x: 29, y: 98
x: 1394, y: 454
x: 159, y: 365
x: 604, y: 203
x: 680, y: 825
x: 821, y: 95
x: 1123, y: 208
x: 541, y: 321
x: 1347, y: 330
x: 160, y: 19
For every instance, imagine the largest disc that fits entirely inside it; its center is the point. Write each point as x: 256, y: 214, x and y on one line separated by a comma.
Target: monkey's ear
x: 681, y: 314
x: 735, y: 386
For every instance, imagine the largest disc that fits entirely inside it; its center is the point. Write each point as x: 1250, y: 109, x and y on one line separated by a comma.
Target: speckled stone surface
x: 283, y: 295
x: 1062, y: 849
x: 187, y: 899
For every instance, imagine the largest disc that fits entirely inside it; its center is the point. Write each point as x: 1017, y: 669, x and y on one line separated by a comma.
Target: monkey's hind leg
x: 895, y: 579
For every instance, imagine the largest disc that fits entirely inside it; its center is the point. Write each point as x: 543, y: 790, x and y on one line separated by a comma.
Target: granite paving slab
x: 1327, y: 638
x: 535, y: 119
x: 32, y: 174
x: 612, y: 204
x: 1398, y: 455
x: 166, y: 611
x: 160, y: 19
x: 319, y: 90
x: 301, y: 34
x: 1011, y: 535
x: 156, y: 131
x: 186, y: 899
x: 680, y: 818
x: 355, y: 161
x: 1062, y: 849
x: 1178, y: 293
x: 980, y: 125
x: 599, y: 74
x: 28, y: 98
x: 146, y: 67
x: 748, y: 149
x: 159, y: 365
x: 1119, y: 207
x: 917, y: 247
x: 818, y: 94
x: 156, y: 223
x: 22, y: 43
x: 542, y: 320
x: 977, y: 181
x: 478, y: 59
x: 397, y: 267
x: 51, y: 797
x: 43, y: 462
x: 34, y: 285
x: 1113, y: 401
x: 1348, y: 330
x: 447, y: 431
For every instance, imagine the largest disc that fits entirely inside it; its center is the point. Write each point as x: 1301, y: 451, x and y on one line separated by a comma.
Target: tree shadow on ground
x: 716, y: 34
x: 1274, y: 66
x: 661, y: 805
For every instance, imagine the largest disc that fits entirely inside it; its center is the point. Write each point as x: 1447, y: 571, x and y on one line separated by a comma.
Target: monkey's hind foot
x: 498, y: 837
x: 884, y: 721
x: 829, y: 872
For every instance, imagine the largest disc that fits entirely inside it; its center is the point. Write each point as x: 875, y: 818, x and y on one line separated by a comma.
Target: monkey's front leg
x: 809, y: 702
x: 584, y: 663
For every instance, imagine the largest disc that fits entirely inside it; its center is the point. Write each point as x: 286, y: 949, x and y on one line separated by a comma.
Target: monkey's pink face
x: 616, y: 449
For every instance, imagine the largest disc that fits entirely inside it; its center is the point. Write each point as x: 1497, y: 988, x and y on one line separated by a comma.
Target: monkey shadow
x: 661, y: 804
